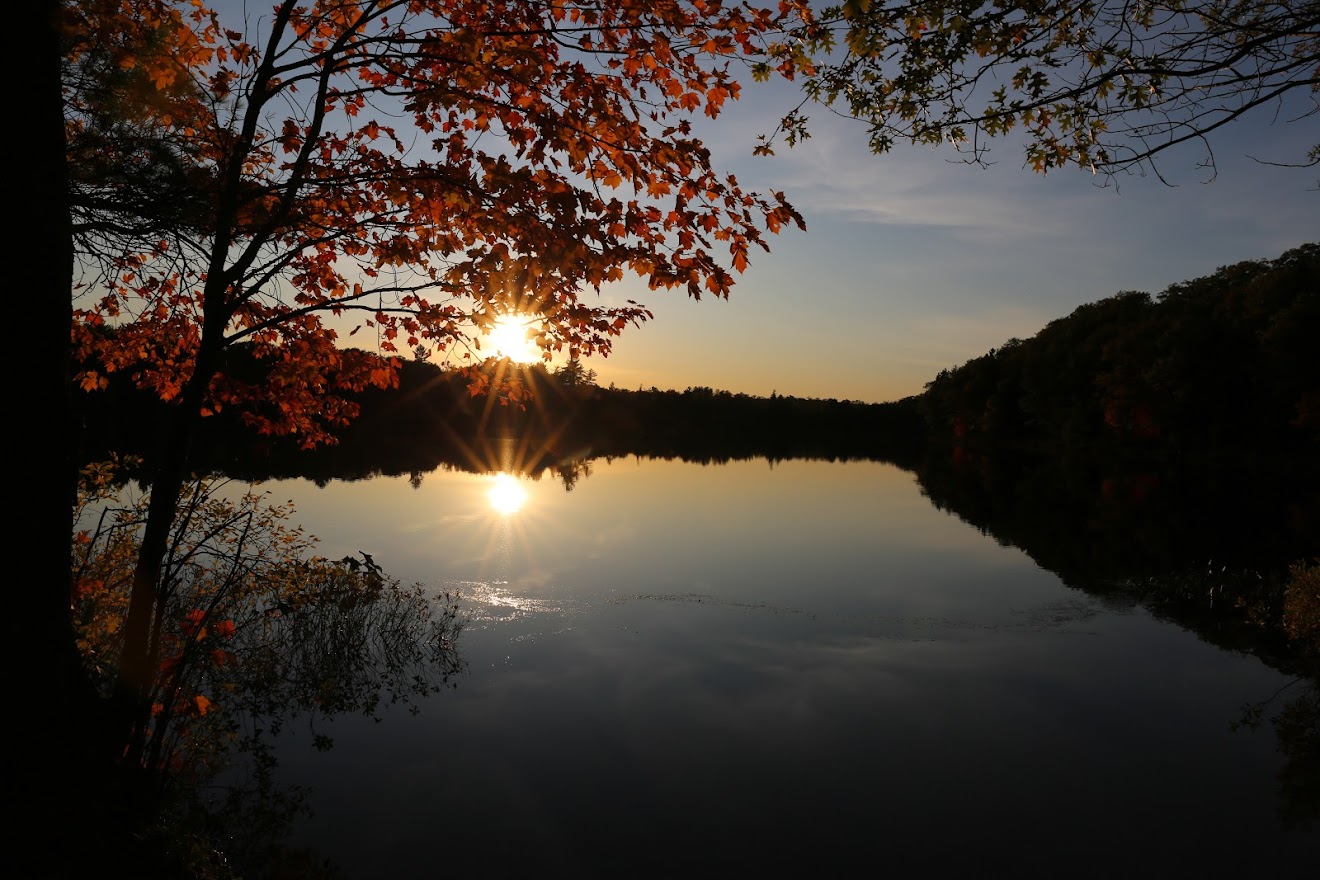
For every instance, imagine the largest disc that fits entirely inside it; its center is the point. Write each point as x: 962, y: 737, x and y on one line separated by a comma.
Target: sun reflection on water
x: 511, y: 584
x: 506, y: 494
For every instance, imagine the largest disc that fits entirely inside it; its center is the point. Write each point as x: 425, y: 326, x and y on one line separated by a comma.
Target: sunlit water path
x: 674, y: 667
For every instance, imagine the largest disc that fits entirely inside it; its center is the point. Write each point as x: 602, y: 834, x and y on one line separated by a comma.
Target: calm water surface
x: 678, y: 668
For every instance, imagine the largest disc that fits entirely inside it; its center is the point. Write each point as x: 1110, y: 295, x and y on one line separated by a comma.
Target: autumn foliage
x: 409, y: 169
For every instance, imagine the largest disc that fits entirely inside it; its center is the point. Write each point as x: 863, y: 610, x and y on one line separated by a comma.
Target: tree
x: 572, y: 374
x: 1103, y: 85
x: 415, y: 168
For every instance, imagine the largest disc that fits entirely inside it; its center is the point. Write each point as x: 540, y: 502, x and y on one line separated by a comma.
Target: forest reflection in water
x: 757, y: 662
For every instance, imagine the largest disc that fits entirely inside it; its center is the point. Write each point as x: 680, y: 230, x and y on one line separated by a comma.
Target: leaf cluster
x: 1102, y: 85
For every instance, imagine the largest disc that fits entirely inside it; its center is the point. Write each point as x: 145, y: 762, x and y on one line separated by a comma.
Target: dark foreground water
x: 676, y: 669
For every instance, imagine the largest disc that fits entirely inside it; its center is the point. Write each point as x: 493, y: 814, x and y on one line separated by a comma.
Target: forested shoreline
x: 1221, y: 370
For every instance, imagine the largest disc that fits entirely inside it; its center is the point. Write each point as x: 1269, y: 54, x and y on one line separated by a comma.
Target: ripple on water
x: 493, y: 602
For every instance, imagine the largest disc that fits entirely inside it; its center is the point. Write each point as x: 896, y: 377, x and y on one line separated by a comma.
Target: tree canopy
x: 248, y: 182
x: 1102, y: 85
x: 419, y: 168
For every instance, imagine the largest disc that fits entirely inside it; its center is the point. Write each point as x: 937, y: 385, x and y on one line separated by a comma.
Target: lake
x: 679, y: 669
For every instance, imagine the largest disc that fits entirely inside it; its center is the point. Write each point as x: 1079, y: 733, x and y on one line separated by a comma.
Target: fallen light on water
x: 506, y: 494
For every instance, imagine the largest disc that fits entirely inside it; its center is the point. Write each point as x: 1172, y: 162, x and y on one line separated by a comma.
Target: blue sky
x: 912, y: 262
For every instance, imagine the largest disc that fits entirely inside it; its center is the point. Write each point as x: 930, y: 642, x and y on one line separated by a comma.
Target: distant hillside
x: 1221, y: 368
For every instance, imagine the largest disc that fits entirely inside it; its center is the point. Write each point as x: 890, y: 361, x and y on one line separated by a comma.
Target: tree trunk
x: 139, y: 658
x: 57, y: 693
x: 49, y: 279
x: 132, y: 696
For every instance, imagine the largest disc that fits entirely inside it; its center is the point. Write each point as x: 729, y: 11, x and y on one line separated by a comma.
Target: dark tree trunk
x: 140, y: 657
x: 58, y: 704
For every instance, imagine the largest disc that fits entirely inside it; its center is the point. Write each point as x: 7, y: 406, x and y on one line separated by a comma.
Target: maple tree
x: 1101, y: 85
x: 413, y: 168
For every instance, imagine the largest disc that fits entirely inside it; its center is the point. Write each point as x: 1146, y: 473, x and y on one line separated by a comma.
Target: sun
x: 510, y: 337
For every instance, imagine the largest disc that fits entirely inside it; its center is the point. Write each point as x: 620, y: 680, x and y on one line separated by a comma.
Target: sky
x: 913, y: 262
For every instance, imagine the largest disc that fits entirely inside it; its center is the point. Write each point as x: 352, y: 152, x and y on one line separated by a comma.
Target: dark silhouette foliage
x: 1220, y: 369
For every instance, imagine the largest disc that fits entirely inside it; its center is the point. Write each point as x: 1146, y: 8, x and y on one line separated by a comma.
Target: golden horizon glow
x: 506, y: 494
x: 511, y: 338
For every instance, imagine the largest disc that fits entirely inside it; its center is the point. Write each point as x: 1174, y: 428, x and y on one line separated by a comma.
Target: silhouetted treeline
x: 1224, y: 368
x: 583, y: 418
x: 433, y: 420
